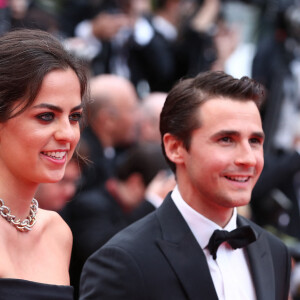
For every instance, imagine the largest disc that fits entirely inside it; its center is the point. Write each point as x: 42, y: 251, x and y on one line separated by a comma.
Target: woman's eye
x: 47, y: 117
x: 75, y: 117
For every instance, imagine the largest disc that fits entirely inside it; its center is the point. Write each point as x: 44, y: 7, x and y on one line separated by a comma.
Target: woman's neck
x: 17, y: 197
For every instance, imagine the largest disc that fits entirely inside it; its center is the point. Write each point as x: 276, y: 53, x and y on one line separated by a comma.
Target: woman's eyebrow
x: 56, y: 108
x: 77, y: 107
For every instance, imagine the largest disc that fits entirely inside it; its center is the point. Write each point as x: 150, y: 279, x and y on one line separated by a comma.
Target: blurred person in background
x: 277, y: 65
x: 75, y: 12
x: 149, y: 112
x: 276, y: 197
x: 150, y: 45
x: 95, y: 215
x: 102, y: 33
x: 112, y: 126
x: 171, y: 43
x: 54, y: 196
x: 149, y: 136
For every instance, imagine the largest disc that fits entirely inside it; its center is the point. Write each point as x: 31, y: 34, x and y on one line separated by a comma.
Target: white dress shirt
x: 230, y: 271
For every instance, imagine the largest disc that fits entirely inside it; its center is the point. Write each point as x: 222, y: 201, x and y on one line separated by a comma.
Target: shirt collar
x: 201, y: 227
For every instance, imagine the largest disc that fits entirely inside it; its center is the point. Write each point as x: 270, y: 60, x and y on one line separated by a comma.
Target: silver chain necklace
x: 26, y: 224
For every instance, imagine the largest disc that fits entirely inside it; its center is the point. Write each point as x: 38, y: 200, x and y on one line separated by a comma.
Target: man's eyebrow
x: 258, y: 134
x: 226, y: 132
x: 56, y: 108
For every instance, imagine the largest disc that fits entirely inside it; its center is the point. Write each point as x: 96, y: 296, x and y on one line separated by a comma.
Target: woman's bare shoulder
x: 49, y: 244
x: 54, y: 226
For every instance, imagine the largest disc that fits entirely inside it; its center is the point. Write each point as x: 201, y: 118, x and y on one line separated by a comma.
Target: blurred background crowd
x: 134, y: 51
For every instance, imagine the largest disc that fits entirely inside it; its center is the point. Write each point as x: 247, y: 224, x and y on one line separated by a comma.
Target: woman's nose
x: 66, y: 132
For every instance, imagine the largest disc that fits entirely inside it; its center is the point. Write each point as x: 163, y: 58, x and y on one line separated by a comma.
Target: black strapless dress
x: 19, y: 289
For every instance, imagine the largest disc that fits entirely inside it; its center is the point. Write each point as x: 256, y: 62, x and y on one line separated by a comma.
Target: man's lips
x: 238, y: 178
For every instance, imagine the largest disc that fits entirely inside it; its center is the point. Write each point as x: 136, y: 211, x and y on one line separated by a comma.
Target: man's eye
x: 226, y: 139
x: 75, y: 117
x: 255, y: 141
x: 47, y: 117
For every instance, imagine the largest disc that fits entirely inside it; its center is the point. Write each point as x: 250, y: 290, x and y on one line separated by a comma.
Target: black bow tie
x: 237, y: 238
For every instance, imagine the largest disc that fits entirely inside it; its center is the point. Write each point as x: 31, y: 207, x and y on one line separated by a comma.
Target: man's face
x: 125, y: 121
x: 225, y: 158
x: 54, y: 196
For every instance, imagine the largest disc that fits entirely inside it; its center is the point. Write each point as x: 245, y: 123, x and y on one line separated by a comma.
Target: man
x: 150, y: 109
x: 112, y: 126
x: 55, y: 195
x: 213, y: 140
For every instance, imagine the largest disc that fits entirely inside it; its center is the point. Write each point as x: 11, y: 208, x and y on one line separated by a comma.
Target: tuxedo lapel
x: 189, y: 263
x: 261, y: 266
x: 184, y: 253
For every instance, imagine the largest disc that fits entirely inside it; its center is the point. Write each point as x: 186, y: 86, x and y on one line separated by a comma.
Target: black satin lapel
x: 184, y: 254
x: 261, y: 266
x: 189, y: 263
x: 262, y: 269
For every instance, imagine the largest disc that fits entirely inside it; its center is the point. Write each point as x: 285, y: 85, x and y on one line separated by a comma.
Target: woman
x: 42, y: 89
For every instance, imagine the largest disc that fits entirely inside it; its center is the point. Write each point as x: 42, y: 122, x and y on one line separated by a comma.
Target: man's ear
x: 174, y: 148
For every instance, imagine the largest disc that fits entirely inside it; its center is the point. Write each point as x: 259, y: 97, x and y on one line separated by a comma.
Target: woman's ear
x: 174, y: 148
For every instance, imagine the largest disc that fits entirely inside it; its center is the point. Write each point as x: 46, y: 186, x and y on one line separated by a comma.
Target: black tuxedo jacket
x: 158, y: 258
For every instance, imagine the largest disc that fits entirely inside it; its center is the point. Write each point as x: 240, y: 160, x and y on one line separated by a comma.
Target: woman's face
x: 36, y: 145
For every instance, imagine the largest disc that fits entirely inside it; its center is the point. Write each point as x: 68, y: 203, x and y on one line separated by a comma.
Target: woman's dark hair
x: 26, y: 56
x: 179, y: 114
